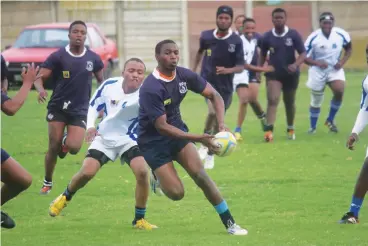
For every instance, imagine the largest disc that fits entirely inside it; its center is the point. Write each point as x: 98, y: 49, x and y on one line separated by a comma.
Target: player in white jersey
x: 241, y: 80
x: 324, y: 47
x: 361, y: 186
x: 115, y: 137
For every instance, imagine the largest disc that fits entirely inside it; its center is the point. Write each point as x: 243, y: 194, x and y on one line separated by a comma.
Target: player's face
x: 279, y: 19
x: 77, y: 35
x: 134, y: 74
x: 249, y: 29
x: 326, y: 26
x: 223, y: 22
x: 169, y: 56
x: 239, y: 24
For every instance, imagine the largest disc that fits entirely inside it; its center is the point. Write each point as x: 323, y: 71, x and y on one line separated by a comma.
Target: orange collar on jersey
x: 221, y: 34
x: 166, y: 77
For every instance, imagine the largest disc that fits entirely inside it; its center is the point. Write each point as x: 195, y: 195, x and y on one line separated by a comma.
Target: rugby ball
x: 227, y: 143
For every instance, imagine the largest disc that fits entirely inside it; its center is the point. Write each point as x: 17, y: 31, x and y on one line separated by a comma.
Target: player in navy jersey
x: 14, y: 177
x: 281, y: 43
x: 163, y: 136
x: 4, y: 74
x: 222, y: 52
x: 361, y: 186
x: 242, y: 80
x: 71, y: 69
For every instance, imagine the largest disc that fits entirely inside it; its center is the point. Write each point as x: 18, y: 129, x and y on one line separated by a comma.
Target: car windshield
x: 43, y: 38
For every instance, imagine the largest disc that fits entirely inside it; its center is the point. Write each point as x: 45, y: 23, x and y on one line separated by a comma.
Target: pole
x: 119, y: 31
x: 314, y: 15
x: 249, y: 8
x: 184, y: 32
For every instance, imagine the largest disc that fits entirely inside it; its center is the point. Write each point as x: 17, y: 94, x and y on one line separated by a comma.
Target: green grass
x: 284, y: 193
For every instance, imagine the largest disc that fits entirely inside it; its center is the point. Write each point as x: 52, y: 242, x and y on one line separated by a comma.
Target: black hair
x: 249, y: 20
x: 239, y: 16
x: 77, y: 22
x: 278, y: 10
x: 161, y: 43
x: 136, y: 60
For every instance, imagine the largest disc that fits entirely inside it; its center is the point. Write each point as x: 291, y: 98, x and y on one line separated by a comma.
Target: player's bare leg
x: 337, y: 88
x: 189, y: 160
x: 209, y: 158
x: 72, y: 140
x: 170, y: 183
x: 140, y: 170
x: 274, y: 89
x: 243, y: 95
x: 15, y: 180
x: 88, y: 170
x: 254, y: 103
x: 361, y: 188
x: 210, y: 125
x: 289, y: 102
x: 56, y: 132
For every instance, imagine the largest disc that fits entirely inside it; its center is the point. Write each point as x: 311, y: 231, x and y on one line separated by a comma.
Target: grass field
x: 284, y: 193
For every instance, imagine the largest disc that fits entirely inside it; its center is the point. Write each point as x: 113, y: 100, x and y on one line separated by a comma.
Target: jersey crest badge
x: 334, y: 46
x: 114, y: 102
x: 288, y: 42
x: 89, y: 66
x: 66, y: 74
x: 231, y: 48
x: 183, y: 87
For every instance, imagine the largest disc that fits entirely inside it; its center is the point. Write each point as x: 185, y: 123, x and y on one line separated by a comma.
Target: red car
x: 35, y: 43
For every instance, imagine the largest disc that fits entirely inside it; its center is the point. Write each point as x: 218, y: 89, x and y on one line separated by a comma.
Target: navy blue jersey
x: 4, y: 98
x: 258, y: 37
x: 4, y: 69
x: 282, y: 49
x: 72, y: 76
x: 160, y: 95
x: 220, y: 52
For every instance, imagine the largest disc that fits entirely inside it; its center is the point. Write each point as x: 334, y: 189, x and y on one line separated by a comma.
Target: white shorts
x: 113, y: 152
x: 318, y: 78
x: 241, y: 79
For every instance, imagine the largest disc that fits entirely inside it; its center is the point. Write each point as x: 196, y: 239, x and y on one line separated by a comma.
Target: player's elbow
x: 10, y: 108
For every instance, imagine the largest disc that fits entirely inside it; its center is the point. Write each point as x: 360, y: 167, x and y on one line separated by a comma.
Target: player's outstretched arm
x: 11, y: 106
x: 259, y: 69
x: 218, y: 103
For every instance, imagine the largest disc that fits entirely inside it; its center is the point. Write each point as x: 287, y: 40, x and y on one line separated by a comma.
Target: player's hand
x: 258, y: 76
x: 222, y: 70
x: 91, y: 134
x: 269, y: 69
x: 223, y: 128
x: 30, y: 74
x: 207, y: 140
x: 293, y: 68
x: 322, y: 64
x: 351, y: 141
x: 42, y: 96
x: 338, y: 65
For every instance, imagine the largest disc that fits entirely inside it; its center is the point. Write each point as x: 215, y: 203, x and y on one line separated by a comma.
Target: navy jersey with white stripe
x: 220, y: 52
x: 72, y: 78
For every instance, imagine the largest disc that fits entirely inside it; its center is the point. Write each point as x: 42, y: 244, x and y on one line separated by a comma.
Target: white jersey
x: 329, y: 50
x: 249, y: 48
x: 120, y: 122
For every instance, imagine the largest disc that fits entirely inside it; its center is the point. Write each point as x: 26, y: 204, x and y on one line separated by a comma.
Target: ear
x: 157, y: 57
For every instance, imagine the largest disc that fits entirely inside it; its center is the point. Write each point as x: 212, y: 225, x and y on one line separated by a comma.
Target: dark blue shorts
x: 4, y: 156
x: 253, y: 78
x: 159, y: 153
x: 68, y: 119
x: 289, y: 82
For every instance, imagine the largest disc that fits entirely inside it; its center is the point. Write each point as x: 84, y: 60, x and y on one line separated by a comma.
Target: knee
x: 176, y: 194
x: 243, y: 100
x: 87, y: 174
x: 211, y: 114
x: 317, y: 99
x: 54, y: 147
x: 74, y: 150
x: 27, y: 181
x: 200, y: 178
x: 141, y: 175
x: 273, y: 101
